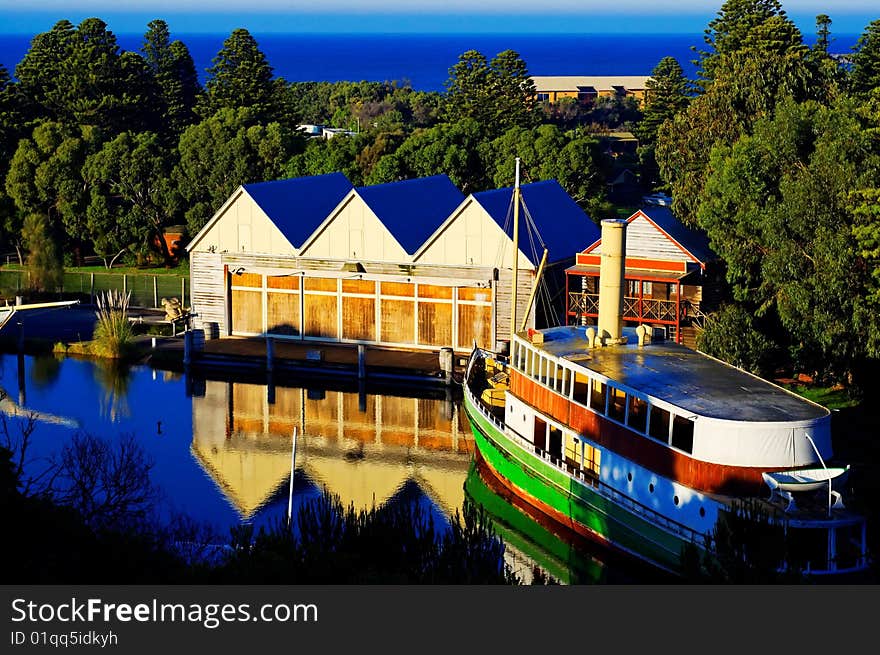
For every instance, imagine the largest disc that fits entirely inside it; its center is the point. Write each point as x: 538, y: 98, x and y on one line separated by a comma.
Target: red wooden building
x: 666, y: 272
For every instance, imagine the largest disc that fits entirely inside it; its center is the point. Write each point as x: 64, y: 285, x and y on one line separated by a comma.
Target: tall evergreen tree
x: 498, y: 94
x: 77, y: 76
x: 823, y: 32
x: 668, y: 93
x: 11, y: 129
x: 173, y: 69
x: 865, y: 75
x: 241, y: 77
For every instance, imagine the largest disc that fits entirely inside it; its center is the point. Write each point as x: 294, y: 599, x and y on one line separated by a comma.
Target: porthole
x: 629, y: 477
x: 702, y: 511
x: 651, y: 487
x: 675, y: 500
x: 524, y: 418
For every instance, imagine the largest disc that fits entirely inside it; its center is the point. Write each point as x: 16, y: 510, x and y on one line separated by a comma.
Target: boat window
x: 592, y: 459
x: 558, y: 374
x: 617, y: 404
x: 597, y: 396
x: 682, y: 433
x: 638, y: 414
x: 582, y: 389
x: 515, y: 356
x: 555, y: 445
x: 564, y: 376
x: 573, y: 450
x: 659, y: 424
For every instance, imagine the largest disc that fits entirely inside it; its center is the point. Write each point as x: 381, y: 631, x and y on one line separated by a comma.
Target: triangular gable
x: 669, y: 247
x: 292, y: 208
x: 470, y: 237
x: 353, y: 231
x: 412, y: 209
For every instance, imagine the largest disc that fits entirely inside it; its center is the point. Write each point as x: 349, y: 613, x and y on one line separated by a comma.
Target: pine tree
x: 668, y: 92
x: 865, y: 76
x: 241, y: 77
x: 173, y: 69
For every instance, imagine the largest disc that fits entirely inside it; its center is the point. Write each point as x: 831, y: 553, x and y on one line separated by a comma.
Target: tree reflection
x: 114, y: 380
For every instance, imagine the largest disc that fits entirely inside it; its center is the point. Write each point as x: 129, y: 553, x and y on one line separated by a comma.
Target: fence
x: 146, y: 290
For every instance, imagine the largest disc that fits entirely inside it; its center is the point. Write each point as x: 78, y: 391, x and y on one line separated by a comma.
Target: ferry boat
x: 651, y: 448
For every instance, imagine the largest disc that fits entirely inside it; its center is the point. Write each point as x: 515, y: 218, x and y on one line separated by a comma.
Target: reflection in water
x: 362, y: 447
x: 45, y: 370
x: 114, y: 379
x: 536, y: 546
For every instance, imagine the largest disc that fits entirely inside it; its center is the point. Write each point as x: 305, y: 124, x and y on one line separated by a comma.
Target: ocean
x: 423, y: 60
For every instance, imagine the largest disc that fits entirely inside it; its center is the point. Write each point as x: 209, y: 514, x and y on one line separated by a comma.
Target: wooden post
x: 20, y: 337
x: 362, y: 361
x: 92, y: 288
x: 124, y: 284
x: 155, y: 292
x: 270, y: 354
x: 183, y: 292
x: 447, y: 362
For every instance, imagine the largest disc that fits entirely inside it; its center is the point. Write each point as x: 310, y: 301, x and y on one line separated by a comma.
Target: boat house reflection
x: 361, y: 447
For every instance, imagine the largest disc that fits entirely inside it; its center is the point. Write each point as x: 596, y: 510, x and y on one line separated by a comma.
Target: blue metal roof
x: 561, y: 223
x: 298, y: 205
x: 694, y: 241
x: 412, y: 209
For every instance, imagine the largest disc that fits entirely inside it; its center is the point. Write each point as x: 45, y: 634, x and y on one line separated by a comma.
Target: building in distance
x: 586, y: 89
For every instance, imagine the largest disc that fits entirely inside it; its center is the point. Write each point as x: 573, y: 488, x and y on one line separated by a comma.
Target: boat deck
x: 684, y: 377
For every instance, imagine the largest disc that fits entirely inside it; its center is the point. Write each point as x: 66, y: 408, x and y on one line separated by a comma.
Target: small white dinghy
x: 786, y: 483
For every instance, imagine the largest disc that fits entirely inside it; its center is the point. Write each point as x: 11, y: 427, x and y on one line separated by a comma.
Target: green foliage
x: 748, y: 546
x: 777, y: 210
x: 328, y: 156
x: 77, y: 76
x: 44, y: 262
x: 546, y: 152
x: 132, y: 198
x: 45, y: 178
x: 865, y: 75
x: 241, y: 77
x: 228, y: 149
x: 394, y: 544
x: 497, y: 94
x: 757, y: 59
x: 174, y: 72
x: 113, y: 335
x: 668, y: 92
x: 730, y: 335
x: 451, y: 148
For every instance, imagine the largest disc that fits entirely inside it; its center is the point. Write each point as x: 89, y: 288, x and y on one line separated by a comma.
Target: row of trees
x: 101, y: 149
x: 776, y: 157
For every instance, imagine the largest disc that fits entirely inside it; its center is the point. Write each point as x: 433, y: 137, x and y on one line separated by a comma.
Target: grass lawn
x: 182, y: 270
x: 830, y: 397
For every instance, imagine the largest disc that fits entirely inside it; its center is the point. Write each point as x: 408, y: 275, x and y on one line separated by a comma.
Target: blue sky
x: 690, y: 16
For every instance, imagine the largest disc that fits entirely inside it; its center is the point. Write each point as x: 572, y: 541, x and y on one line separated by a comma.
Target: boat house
x: 668, y: 269
x: 410, y: 264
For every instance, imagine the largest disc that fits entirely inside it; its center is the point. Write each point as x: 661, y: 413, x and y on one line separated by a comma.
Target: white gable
x: 240, y: 225
x: 645, y: 241
x: 471, y: 238
x: 353, y: 231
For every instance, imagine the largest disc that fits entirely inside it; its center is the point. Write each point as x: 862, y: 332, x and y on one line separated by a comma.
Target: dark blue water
x: 424, y: 60
x: 221, y: 451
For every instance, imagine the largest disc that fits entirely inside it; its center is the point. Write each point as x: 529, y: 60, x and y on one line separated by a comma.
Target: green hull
x: 575, y: 505
x: 557, y: 557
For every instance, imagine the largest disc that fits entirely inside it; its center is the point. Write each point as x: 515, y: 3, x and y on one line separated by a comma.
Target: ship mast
x: 515, y: 256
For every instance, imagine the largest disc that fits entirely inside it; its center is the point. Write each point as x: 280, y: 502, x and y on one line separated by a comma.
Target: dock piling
x: 447, y: 364
x: 270, y: 354
x: 362, y: 361
x: 187, y: 348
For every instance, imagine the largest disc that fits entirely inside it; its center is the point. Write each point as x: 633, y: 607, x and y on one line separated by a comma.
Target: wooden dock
x: 322, y: 359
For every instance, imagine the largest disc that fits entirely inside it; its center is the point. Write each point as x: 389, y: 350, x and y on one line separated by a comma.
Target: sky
x: 388, y: 16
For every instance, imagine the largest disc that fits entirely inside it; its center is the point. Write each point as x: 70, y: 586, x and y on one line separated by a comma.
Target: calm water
x: 424, y: 59
x: 222, y: 449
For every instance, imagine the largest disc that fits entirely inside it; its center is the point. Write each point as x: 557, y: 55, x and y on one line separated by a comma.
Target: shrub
x: 114, y: 334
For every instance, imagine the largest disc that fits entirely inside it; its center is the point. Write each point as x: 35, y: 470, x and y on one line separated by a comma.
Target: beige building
x: 587, y: 89
x: 413, y: 264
